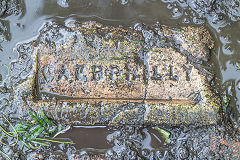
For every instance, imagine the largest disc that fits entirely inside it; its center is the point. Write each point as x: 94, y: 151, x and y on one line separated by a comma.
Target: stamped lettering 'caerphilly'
x: 89, y: 73
x: 165, y: 76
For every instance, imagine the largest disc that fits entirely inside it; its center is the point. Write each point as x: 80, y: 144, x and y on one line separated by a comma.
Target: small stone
x: 238, y: 85
x: 63, y: 3
x: 238, y: 65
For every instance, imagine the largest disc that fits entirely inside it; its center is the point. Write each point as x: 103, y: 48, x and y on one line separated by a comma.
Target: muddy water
x: 21, y: 20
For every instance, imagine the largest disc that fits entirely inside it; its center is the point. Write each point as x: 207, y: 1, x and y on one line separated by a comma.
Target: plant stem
x: 49, y: 140
x: 13, y: 130
x: 8, y: 133
x: 44, y: 144
x: 5, y: 154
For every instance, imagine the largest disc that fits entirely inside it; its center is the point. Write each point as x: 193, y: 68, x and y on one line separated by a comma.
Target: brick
x: 93, y: 73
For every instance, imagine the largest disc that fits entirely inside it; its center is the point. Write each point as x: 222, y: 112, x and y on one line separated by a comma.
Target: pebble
x: 238, y: 84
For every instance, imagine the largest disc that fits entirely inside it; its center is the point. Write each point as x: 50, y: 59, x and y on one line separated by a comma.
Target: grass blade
x: 8, y: 133
x: 4, y: 143
x: 41, y: 143
x: 34, y: 116
x: 13, y: 130
x: 5, y: 155
x: 46, y: 118
x: 33, y: 147
x: 26, y: 144
x: 37, y: 132
x: 55, y: 141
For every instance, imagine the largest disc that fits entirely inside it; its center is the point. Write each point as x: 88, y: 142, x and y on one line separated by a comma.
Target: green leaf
x: 5, y: 155
x: 180, y: 30
x: 33, y: 115
x: 46, y: 119
x: 168, y: 141
x: 13, y: 130
x: 165, y: 134
x: 33, y: 147
x: 151, y: 50
x: 41, y: 143
x: 23, y: 126
x: 6, y: 132
x: 226, y: 100
x: 53, y: 140
x: 37, y: 132
x: 26, y: 144
x: 42, y: 122
x: 34, y: 129
x: 27, y: 137
x: 137, y: 41
x: 51, y: 131
x: 29, y: 133
x: 208, y: 72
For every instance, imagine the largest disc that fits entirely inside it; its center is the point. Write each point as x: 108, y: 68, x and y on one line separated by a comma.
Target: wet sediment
x: 88, y: 73
x: 187, y: 142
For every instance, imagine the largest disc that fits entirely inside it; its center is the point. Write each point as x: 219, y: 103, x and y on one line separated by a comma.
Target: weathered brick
x: 91, y: 75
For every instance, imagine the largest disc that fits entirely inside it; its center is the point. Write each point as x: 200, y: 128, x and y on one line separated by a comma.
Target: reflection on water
x: 20, y: 21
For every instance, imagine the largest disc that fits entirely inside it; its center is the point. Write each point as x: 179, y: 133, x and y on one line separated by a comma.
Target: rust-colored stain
x: 233, y: 147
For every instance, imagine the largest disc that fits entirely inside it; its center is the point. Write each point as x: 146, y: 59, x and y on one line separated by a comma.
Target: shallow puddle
x: 21, y: 21
x: 89, y: 137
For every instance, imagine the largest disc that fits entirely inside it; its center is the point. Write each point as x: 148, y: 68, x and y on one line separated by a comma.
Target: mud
x: 133, y: 141
x: 12, y: 7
